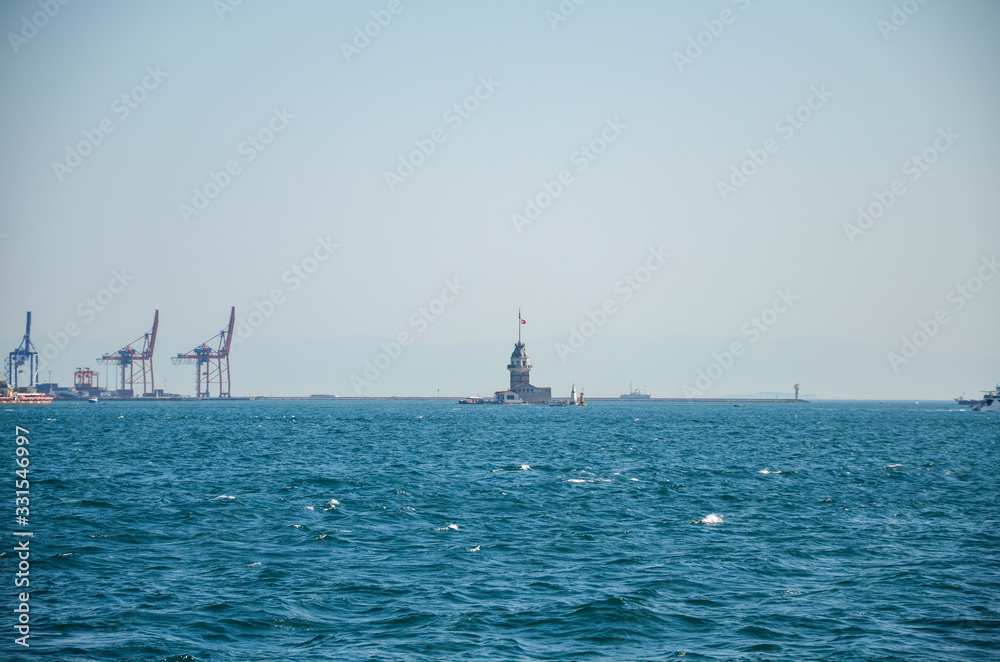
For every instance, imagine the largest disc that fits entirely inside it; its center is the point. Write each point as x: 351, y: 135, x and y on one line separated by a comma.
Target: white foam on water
x: 635, y: 479
x: 576, y: 480
x: 308, y: 508
x: 769, y: 471
x: 225, y: 496
x: 332, y: 503
x: 712, y: 519
x: 254, y: 565
x: 475, y: 549
x: 892, y: 466
x: 297, y: 526
x: 525, y: 467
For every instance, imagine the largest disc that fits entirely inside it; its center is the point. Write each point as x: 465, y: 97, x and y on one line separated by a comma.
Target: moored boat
x: 9, y: 396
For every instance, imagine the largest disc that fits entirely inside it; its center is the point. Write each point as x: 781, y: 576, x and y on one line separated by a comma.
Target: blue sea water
x: 266, y: 530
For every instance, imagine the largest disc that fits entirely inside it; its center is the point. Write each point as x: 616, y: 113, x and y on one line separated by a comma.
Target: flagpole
x: 519, y: 325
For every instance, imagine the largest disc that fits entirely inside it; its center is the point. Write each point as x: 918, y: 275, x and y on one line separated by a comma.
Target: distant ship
x: 962, y: 401
x: 990, y: 401
x: 634, y: 394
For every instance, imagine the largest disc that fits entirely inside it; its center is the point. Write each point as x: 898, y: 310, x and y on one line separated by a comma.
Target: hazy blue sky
x: 874, y: 84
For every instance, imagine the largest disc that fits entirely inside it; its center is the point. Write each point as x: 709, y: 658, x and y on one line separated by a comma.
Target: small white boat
x: 94, y: 400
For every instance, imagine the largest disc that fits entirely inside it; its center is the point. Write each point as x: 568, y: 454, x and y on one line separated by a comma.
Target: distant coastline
x: 312, y: 398
x: 455, y: 399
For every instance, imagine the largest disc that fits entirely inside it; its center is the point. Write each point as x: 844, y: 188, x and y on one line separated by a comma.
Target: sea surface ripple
x: 423, y: 530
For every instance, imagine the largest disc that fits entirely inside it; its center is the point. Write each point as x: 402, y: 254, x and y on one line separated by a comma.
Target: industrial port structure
x: 212, y: 364
x: 134, y: 362
x: 24, y: 354
x: 136, y: 365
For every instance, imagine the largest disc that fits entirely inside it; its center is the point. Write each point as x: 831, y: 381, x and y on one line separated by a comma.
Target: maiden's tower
x: 521, y: 391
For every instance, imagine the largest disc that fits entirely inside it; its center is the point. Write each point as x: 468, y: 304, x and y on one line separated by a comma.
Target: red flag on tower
x: 524, y: 322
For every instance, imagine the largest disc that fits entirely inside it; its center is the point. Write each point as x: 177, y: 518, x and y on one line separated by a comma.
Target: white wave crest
x: 712, y: 519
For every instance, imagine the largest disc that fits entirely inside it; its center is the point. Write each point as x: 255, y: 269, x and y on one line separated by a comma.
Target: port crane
x: 135, y: 363
x: 85, y: 379
x: 25, y: 354
x: 211, y: 360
